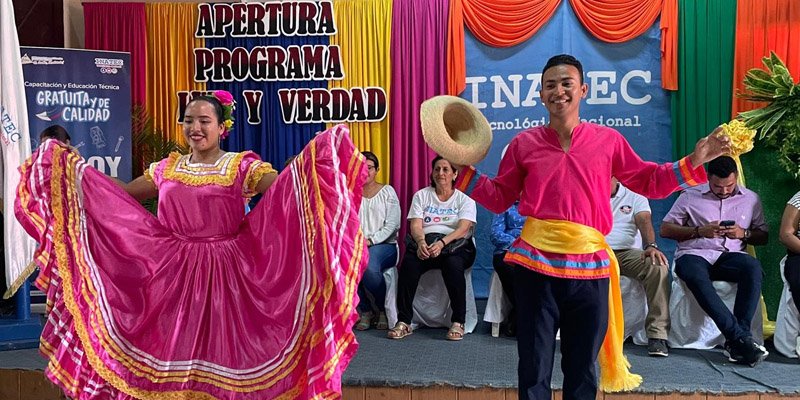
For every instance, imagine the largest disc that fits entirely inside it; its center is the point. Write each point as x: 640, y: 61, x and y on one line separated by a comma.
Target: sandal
x: 456, y: 331
x: 364, y: 322
x: 400, y: 330
x: 382, y: 323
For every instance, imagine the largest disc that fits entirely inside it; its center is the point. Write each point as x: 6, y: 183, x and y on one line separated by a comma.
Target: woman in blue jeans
x: 380, y: 220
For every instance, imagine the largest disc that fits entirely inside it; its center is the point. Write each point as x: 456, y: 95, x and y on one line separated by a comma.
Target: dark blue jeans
x: 372, y: 288
x: 580, y: 308
x: 739, y: 268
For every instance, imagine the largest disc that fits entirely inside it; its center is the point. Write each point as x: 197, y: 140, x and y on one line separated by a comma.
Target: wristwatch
x: 653, y: 245
x: 747, y: 234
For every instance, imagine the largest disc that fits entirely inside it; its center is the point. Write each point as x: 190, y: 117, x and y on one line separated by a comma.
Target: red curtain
x: 669, y: 45
x: 763, y: 26
x: 618, y: 20
x: 496, y: 23
x: 120, y: 27
x: 508, y: 23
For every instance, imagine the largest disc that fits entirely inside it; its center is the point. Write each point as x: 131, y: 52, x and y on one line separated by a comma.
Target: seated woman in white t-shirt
x: 440, y: 225
x: 380, y: 221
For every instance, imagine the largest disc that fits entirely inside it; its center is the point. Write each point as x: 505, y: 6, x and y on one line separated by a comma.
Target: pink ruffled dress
x: 203, y: 301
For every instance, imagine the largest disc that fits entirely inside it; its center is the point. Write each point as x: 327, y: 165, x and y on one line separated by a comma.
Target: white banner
x: 16, y: 146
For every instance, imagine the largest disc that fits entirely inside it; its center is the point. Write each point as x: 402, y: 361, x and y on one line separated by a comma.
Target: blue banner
x: 89, y: 94
x: 625, y: 93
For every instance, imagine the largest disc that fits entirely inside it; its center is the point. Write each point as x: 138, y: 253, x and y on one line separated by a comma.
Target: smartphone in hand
x: 727, y: 223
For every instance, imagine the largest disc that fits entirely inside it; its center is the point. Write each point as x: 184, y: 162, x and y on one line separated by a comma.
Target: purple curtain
x: 419, y: 71
x: 120, y: 27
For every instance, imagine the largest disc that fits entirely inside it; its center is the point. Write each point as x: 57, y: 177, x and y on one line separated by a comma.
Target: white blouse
x: 380, y: 216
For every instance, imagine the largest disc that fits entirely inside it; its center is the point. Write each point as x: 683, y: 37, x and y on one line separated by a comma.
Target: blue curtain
x: 273, y: 140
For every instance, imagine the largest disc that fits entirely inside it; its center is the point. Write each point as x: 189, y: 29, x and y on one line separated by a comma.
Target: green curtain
x: 706, y: 36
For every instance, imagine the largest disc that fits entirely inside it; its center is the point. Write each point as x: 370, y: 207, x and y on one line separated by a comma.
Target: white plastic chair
x: 692, y: 328
x: 634, y: 308
x: 497, y: 305
x: 787, y: 326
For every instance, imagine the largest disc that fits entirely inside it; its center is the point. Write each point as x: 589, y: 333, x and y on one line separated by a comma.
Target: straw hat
x: 455, y: 129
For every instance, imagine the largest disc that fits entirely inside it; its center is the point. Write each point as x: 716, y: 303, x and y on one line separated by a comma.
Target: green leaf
x: 782, y: 77
x: 776, y: 61
x: 756, y: 83
x: 759, y: 74
x: 758, y: 98
x: 753, y: 116
x: 776, y: 116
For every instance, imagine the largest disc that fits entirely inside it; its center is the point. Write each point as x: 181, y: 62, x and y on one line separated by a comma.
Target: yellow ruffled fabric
x: 222, y: 173
x: 740, y: 135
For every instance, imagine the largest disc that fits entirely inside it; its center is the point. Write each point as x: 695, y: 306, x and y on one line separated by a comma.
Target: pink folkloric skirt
x: 139, y: 312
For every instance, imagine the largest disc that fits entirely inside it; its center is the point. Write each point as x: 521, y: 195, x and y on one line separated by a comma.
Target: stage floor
x: 426, y: 366
x: 426, y: 359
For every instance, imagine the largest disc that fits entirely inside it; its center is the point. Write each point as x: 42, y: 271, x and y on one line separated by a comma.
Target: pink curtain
x: 120, y: 27
x: 419, y: 57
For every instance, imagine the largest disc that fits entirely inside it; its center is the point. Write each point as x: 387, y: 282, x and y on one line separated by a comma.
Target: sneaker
x: 762, y: 348
x: 657, y: 348
x: 744, y: 351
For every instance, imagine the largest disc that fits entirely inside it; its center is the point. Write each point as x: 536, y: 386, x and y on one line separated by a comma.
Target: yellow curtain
x: 170, y: 62
x: 363, y: 34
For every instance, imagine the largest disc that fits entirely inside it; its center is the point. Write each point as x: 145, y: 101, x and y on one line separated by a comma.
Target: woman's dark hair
x: 214, y: 102
x: 433, y: 165
x: 56, y: 132
x: 372, y: 157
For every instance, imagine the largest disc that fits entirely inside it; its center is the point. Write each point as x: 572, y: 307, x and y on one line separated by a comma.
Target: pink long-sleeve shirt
x: 572, y: 185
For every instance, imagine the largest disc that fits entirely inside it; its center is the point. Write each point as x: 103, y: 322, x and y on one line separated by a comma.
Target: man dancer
x: 560, y: 174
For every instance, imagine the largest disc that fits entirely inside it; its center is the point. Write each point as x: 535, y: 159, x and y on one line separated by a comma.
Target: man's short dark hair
x: 55, y: 132
x: 722, y: 167
x: 564, y: 59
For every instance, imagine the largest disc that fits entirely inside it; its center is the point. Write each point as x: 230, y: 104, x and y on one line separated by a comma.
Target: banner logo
x: 39, y: 60
x: 109, y: 65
